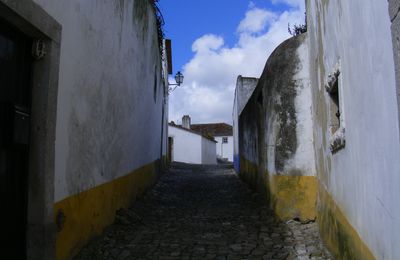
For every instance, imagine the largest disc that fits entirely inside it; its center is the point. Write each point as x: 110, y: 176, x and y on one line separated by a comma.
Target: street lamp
x: 179, y: 80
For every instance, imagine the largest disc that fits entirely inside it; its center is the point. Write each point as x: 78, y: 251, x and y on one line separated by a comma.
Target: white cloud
x: 208, y: 42
x: 293, y: 3
x: 256, y: 20
x: 210, y: 76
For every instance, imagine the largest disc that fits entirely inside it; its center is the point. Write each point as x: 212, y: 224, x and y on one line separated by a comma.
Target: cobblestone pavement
x: 203, y: 212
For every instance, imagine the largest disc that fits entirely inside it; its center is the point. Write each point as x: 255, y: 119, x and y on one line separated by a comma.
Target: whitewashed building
x: 332, y: 153
x: 244, y: 88
x: 275, y: 133
x: 223, y: 134
x: 354, y: 49
x: 92, y: 135
x: 188, y: 146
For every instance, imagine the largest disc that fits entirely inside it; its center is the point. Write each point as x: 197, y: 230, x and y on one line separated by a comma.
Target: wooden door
x: 15, y: 99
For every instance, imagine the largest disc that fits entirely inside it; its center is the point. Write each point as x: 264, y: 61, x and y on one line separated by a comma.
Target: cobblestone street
x: 203, y: 212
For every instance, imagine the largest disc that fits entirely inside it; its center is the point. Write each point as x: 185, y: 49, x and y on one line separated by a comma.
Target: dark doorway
x: 15, y: 99
x: 170, y: 148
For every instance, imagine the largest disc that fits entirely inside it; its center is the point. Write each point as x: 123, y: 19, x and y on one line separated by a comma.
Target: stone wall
x: 275, y: 133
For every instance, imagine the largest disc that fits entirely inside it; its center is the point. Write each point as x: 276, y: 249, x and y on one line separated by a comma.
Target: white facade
x: 244, y: 88
x: 224, y: 149
x: 108, y: 119
x: 104, y: 136
x: 190, y: 147
x: 363, y: 178
x: 208, y: 155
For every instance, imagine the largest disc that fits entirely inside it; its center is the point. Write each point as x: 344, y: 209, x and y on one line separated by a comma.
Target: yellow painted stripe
x: 289, y: 196
x: 86, y: 214
x: 340, y: 236
x: 294, y: 197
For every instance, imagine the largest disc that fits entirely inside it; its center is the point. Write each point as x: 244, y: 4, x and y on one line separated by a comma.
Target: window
x: 333, y: 91
x: 337, y: 139
x: 224, y: 140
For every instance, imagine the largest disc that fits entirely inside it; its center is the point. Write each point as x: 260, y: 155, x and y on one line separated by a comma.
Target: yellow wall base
x: 248, y: 172
x: 289, y: 196
x: 341, y: 238
x: 86, y: 214
x: 294, y: 197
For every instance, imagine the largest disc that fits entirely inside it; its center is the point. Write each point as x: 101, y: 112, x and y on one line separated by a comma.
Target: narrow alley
x: 203, y: 212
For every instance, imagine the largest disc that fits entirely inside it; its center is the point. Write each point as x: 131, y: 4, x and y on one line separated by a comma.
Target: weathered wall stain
x: 341, y: 238
x: 109, y: 134
x: 353, y: 223
x: 96, y: 137
x: 291, y: 197
x: 275, y: 117
x: 141, y: 16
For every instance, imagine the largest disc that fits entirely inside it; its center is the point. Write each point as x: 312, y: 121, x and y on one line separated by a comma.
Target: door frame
x: 36, y: 23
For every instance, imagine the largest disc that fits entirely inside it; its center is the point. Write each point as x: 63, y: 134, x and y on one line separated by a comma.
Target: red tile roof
x: 218, y: 129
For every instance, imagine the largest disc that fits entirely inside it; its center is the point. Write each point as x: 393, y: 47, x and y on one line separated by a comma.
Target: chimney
x: 186, y: 121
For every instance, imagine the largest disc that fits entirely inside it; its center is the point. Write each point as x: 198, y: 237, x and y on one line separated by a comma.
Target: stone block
x: 396, y: 52
x: 394, y: 8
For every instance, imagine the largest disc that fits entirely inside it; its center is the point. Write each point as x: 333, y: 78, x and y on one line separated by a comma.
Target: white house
x: 222, y: 133
x: 188, y: 146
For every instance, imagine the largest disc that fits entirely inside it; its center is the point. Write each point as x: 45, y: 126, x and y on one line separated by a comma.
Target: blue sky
x: 215, y: 41
x: 188, y: 20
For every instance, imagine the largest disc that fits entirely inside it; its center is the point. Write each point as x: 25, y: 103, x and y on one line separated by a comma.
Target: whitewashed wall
x: 111, y: 91
x: 208, y: 151
x: 190, y: 147
x: 224, y: 150
x: 186, y: 145
x: 244, y: 88
x: 303, y: 158
x: 363, y: 178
